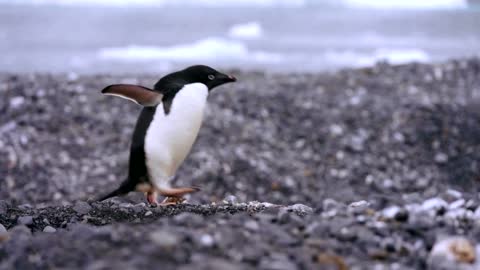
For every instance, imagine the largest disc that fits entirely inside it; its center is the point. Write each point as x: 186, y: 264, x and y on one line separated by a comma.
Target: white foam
x: 406, y: 4
x: 251, y: 30
x: 208, y: 3
x: 216, y: 49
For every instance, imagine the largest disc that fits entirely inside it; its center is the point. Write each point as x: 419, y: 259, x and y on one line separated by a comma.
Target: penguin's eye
x: 211, y: 77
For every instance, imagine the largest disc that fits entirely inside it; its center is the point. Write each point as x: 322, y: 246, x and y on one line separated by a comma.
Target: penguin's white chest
x: 170, y: 137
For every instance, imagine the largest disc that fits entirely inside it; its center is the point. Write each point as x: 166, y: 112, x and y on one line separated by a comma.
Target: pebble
x: 125, y: 205
x: 230, y: 199
x: 164, y: 239
x: 434, y: 204
x: 395, y: 213
x: 3, y: 233
x: 16, y: 102
x: 82, y: 208
x: 358, y: 207
x: 25, y: 220
x: 3, y: 207
x: 206, y: 240
x: 441, y: 158
x: 457, y: 204
x: 299, y: 209
x: 49, y: 229
x: 252, y: 225
x: 453, y: 252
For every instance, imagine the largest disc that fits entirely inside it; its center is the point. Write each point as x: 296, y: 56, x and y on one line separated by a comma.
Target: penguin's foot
x: 172, y: 201
x: 177, y: 192
x: 152, y: 198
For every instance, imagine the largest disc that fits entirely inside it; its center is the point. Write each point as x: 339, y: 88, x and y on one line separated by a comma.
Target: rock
x: 25, y: 206
x: 82, y: 208
x: 3, y: 233
x: 252, y: 225
x: 395, y: 213
x: 164, y: 239
x: 331, y: 261
x: 331, y: 204
x: 212, y: 264
x: 456, y: 204
x: 3, y: 207
x: 25, y: 220
x: 299, y: 209
x: 358, y: 207
x: 277, y: 262
x: 206, y: 240
x: 230, y: 199
x: 49, y: 229
x: 454, y: 193
x: 441, y: 158
x: 454, y: 252
x: 434, y: 204
x: 20, y: 230
x: 125, y: 205
x: 16, y: 102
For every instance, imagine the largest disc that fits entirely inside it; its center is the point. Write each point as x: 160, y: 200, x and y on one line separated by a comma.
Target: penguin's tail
x: 124, y: 188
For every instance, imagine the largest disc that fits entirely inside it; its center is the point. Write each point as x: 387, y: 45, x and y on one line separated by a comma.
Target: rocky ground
x: 374, y: 168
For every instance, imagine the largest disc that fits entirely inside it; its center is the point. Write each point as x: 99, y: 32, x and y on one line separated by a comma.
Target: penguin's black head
x: 206, y: 75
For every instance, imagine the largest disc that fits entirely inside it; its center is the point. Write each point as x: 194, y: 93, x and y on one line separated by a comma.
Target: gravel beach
x: 374, y: 168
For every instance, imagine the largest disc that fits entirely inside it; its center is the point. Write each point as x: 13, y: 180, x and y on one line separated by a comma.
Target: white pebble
x: 49, y: 229
x: 336, y: 130
x: 457, y: 204
x: 391, y: 212
x: 206, y: 240
x: 433, y: 204
x: 16, y: 102
x: 441, y: 158
x: 454, y: 193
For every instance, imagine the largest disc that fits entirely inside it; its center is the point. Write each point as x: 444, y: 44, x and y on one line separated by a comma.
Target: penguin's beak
x: 224, y: 78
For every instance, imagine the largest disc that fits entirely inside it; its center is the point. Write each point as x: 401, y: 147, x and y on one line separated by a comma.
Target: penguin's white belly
x: 170, y: 137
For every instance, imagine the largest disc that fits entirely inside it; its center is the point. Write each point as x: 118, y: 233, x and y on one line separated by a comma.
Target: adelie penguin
x: 166, y: 129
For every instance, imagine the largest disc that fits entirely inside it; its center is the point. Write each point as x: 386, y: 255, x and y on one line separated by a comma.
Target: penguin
x: 166, y: 129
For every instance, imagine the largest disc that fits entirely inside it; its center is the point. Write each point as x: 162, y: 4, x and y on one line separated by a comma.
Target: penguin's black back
x: 137, y: 166
x: 137, y: 172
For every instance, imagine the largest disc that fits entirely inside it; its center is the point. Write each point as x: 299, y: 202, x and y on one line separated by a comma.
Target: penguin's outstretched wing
x: 136, y: 93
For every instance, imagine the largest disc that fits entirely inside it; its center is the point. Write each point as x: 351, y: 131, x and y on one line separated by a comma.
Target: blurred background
x: 127, y: 36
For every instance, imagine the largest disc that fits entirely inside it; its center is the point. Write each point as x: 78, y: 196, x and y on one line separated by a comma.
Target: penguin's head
x: 206, y: 75
x: 169, y: 85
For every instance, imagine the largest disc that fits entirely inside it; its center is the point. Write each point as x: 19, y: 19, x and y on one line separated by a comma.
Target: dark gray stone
x: 82, y: 208
x: 25, y: 220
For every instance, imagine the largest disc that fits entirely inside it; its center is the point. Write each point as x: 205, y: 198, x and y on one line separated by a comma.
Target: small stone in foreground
x: 25, y: 220
x: 453, y: 252
x: 164, y: 239
x: 3, y: 233
x: 49, y: 229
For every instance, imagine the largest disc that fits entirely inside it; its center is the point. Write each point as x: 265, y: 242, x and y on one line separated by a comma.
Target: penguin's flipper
x: 136, y: 93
